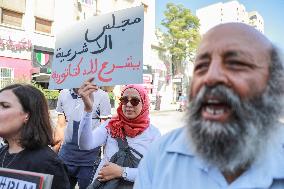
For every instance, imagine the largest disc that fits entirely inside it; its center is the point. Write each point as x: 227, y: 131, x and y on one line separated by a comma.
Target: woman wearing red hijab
x: 132, y: 123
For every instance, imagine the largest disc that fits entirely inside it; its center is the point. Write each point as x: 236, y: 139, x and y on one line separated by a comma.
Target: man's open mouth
x: 215, y: 109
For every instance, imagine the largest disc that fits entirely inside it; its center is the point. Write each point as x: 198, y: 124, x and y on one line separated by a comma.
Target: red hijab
x: 120, y: 126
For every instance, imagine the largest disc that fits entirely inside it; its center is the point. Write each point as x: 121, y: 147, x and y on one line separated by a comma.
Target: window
x: 6, y: 76
x: 11, y: 18
x: 253, y: 17
x: 42, y: 25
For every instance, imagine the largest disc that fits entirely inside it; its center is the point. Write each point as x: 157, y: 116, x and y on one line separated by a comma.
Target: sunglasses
x: 134, y: 101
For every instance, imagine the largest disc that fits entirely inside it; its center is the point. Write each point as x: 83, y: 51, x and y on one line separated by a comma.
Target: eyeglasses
x: 134, y: 100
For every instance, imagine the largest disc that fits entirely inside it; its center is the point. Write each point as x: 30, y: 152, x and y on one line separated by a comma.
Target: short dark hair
x: 37, y: 132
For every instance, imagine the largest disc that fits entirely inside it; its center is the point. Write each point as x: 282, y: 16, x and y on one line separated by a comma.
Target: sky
x: 272, y: 12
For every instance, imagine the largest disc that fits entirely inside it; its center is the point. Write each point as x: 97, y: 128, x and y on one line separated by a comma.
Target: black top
x: 42, y: 160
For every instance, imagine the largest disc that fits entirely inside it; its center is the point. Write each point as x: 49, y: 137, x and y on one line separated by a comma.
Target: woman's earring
x: 26, y: 119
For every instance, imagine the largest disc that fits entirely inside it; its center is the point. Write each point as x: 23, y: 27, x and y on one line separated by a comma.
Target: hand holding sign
x: 86, y: 93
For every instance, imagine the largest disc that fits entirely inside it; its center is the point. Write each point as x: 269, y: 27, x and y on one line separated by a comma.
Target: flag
x: 42, y: 58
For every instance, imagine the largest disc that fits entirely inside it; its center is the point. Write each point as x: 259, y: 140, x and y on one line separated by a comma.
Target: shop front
x: 15, y: 58
x: 42, y: 58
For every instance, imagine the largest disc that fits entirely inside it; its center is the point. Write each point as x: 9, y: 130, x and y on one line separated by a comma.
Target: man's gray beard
x: 235, y: 144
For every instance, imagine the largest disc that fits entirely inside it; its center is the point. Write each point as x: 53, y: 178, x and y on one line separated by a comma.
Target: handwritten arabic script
x: 103, y: 70
x: 107, y: 47
x: 71, y: 54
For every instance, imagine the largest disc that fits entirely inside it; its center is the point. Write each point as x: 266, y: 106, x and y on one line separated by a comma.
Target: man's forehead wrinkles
x: 237, y: 53
x: 225, y: 53
x: 205, y: 55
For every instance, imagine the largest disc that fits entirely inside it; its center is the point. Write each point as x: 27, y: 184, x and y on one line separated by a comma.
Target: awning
x: 41, y: 77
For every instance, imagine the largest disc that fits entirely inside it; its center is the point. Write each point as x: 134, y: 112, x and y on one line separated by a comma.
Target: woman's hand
x: 110, y: 171
x: 86, y: 93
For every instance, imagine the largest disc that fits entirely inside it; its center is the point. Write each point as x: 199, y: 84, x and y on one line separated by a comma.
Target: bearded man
x: 232, y: 138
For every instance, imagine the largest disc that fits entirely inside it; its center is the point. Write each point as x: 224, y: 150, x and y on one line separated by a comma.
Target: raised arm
x: 88, y: 138
x: 86, y: 93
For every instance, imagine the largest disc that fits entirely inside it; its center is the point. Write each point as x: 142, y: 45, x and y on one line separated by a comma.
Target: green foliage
x: 182, y: 35
x: 49, y: 94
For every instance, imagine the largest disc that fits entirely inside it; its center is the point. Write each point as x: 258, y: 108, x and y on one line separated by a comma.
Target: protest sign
x: 18, y: 179
x: 108, y: 47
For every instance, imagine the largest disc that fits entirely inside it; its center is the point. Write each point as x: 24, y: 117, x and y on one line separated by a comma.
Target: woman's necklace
x: 10, y: 162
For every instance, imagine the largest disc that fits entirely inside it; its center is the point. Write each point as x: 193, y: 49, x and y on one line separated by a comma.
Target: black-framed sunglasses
x: 134, y: 100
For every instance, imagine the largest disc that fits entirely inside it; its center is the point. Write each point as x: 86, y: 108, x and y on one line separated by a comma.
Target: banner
x: 18, y: 179
x: 107, y: 47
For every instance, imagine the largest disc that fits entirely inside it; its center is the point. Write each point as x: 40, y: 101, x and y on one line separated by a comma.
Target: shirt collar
x: 181, y: 144
x: 73, y: 94
x: 263, y: 171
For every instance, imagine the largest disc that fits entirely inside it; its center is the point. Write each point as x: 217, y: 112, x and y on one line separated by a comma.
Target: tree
x: 182, y: 35
x: 50, y: 95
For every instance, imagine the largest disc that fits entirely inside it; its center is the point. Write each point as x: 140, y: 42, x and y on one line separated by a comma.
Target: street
x: 166, y: 121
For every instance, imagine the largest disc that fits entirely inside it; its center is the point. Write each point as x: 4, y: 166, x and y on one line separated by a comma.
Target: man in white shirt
x: 80, y: 163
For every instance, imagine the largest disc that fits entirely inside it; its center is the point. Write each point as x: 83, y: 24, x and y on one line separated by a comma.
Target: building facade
x: 231, y: 11
x: 256, y: 20
x: 26, y: 38
x: 28, y: 31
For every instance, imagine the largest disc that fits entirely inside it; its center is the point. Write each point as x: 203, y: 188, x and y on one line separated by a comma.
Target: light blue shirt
x: 171, y: 164
x: 89, y: 139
